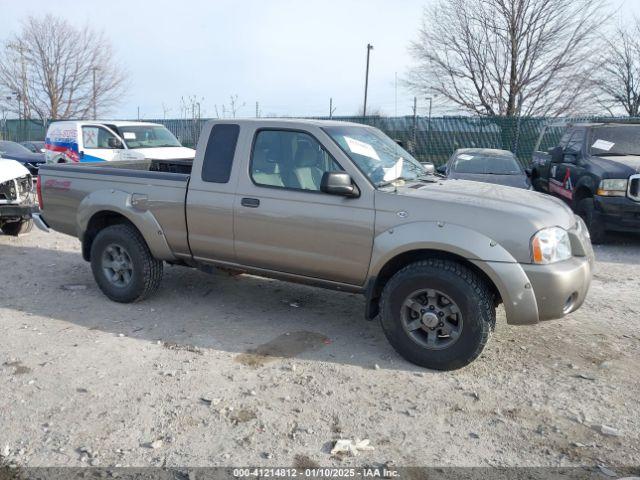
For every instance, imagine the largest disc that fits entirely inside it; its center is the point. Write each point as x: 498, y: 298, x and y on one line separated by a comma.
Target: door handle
x: 250, y: 202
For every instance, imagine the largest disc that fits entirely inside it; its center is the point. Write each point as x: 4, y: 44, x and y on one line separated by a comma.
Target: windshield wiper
x: 419, y: 178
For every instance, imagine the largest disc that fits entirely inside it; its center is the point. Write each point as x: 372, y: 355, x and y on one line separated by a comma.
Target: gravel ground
x: 187, y: 378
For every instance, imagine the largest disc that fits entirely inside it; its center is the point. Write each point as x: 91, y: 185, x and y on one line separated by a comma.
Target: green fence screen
x: 428, y: 139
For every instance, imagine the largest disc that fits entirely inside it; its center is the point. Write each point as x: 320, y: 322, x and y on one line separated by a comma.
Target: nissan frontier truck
x: 335, y: 205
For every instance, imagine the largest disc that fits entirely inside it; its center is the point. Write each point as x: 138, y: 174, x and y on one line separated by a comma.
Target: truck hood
x: 510, y: 216
x: 618, y: 167
x: 10, y: 169
x: 167, y: 153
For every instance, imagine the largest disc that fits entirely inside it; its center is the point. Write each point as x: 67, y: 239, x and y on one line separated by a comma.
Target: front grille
x: 634, y: 187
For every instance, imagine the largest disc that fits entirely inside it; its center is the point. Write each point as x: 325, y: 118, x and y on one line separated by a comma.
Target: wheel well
x: 374, y: 291
x: 581, y: 193
x: 98, y: 222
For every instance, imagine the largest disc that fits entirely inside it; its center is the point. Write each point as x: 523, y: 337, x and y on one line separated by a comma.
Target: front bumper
x: 531, y: 293
x: 15, y: 211
x: 618, y: 213
x: 560, y: 288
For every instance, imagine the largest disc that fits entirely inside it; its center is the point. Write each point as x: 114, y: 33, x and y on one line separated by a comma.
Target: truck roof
x: 298, y: 121
x: 117, y: 123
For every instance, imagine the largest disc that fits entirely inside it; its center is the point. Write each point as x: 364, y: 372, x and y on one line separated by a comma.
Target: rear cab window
x: 219, y: 153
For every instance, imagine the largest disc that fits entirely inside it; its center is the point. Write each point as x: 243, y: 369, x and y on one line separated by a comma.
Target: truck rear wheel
x: 123, y: 266
x: 17, y: 228
x: 437, y: 314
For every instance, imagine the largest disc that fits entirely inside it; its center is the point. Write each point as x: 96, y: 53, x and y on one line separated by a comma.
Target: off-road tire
x: 17, y: 228
x: 472, y: 296
x: 147, y: 271
x: 586, y: 210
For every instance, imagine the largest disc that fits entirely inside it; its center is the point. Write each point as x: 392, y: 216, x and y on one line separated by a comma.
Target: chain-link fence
x: 428, y: 139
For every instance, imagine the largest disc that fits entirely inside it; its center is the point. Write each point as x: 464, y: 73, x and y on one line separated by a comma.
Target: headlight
x: 613, y: 187
x: 550, y: 245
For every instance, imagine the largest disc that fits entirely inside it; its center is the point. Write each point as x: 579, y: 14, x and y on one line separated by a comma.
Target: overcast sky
x: 291, y: 56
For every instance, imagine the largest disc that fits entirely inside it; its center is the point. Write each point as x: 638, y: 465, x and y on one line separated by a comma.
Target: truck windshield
x: 615, y: 140
x: 376, y: 155
x: 147, y: 136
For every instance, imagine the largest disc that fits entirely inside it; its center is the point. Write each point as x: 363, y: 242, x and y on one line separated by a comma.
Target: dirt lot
x: 182, y: 379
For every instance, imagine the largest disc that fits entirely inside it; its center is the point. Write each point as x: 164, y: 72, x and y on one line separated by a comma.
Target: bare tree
x: 53, y: 70
x: 619, y: 73
x: 231, y: 110
x: 508, y: 57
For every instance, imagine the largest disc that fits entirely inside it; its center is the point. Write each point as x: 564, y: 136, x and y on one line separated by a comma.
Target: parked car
x: 34, y: 146
x: 15, y: 151
x: 595, y: 169
x: 16, y: 198
x: 337, y: 205
x: 74, y: 141
x: 486, y: 165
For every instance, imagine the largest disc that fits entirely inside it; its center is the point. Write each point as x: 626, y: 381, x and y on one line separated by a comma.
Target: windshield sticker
x: 393, y: 172
x: 129, y: 135
x: 603, y: 145
x: 464, y: 156
x: 361, y: 148
x: 90, y: 137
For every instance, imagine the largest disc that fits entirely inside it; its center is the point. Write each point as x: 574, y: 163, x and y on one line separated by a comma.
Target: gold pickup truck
x: 335, y: 205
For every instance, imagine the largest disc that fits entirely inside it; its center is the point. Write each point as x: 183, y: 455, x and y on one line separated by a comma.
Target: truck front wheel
x: 437, y: 314
x: 123, y: 266
x: 587, y: 211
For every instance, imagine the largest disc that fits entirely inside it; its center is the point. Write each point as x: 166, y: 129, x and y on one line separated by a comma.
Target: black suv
x: 595, y: 168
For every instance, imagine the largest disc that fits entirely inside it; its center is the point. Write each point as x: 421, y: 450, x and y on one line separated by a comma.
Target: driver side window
x: 290, y: 159
x: 574, y: 146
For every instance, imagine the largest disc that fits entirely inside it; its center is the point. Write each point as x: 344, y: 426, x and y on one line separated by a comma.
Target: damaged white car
x: 16, y: 198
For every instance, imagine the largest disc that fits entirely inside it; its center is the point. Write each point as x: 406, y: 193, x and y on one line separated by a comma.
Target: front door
x: 563, y: 175
x: 283, y: 222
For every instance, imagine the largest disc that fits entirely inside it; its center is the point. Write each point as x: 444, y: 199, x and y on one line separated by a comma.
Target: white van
x: 97, y: 141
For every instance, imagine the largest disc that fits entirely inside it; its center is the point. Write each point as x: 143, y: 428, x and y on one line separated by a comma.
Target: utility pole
x: 396, y: 94
x: 138, y: 112
x: 95, y: 116
x: 331, y: 109
x: 429, y: 123
x: 415, y: 125
x: 366, y: 81
x: 257, y: 110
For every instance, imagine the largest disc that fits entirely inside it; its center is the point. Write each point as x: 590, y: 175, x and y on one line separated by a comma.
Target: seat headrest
x: 306, y: 156
x: 262, y: 163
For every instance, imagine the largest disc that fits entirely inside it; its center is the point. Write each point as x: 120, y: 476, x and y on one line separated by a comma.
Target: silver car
x: 486, y: 165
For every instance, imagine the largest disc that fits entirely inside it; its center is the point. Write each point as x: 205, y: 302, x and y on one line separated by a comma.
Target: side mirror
x: 428, y: 167
x: 338, y: 183
x: 400, y: 142
x: 113, y: 142
x: 556, y: 154
x: 528, y: 172
x: 442, y: 169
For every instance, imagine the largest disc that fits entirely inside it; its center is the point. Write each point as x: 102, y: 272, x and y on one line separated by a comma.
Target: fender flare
x: 486, y: 254
x: 119, y: 202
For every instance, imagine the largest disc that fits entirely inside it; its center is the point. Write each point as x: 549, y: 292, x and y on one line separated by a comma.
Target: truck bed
x: 134, y: 187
